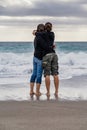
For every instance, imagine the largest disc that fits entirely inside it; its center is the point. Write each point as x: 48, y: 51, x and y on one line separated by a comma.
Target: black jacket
x: 47, y: 36
x: 43, y: 44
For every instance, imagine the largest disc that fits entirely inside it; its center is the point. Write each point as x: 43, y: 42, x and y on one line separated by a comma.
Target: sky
x: 18, y: 18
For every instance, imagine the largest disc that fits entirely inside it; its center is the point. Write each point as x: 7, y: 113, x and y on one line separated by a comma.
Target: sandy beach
x: 20, y: 112
x: 43, y: 115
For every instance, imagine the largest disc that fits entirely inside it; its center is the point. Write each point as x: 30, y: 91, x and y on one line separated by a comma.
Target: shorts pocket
x: 44, y: 64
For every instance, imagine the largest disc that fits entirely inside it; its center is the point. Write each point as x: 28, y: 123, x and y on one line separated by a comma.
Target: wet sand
x: 43, y: 115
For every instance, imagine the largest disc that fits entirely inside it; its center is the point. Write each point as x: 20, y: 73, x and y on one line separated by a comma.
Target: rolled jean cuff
x: 38, y: 81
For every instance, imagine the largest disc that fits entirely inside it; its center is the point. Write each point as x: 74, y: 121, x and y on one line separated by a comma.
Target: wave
x: 70, y: 64
x: 13, y: 64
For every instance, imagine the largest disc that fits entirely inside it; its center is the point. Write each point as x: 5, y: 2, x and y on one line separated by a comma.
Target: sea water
x: 16, y: 68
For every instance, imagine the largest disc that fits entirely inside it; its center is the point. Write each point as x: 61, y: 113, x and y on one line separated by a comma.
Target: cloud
x: 45, y: 8
x: 19, y: 17
x: 31, y: 21
x: 30, y: 12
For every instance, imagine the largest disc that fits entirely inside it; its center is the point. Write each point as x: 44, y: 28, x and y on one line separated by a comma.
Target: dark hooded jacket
x: 43, y: 43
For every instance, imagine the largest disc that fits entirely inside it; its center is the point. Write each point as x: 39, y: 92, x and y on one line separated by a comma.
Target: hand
x: 34, y: 31
x: 54, y: 46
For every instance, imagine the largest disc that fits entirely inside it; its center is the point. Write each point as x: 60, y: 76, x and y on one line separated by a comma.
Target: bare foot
x: 48, y: 94
x: 38, y: 94
x: 56, y: 94
x: 32, y: 93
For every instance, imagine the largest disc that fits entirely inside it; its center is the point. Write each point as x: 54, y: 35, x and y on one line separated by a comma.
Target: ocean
x: 16, y: 68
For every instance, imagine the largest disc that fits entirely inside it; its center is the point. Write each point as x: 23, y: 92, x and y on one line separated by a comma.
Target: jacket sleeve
x: 52, y: 37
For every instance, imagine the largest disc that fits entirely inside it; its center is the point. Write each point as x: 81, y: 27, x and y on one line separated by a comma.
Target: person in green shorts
x: 50, y: 65
x: 50, y: 58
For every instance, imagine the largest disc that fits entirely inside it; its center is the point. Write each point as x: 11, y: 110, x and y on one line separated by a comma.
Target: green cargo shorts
x: 50, y: 64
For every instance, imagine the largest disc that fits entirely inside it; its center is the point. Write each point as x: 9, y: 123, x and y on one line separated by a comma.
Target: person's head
x: 48, y: 26
x: 40, y: 28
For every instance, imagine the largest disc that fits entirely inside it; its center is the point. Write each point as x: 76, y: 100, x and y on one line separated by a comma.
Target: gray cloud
x: 55, y: 9
x: 32, y: 22
x: 44, y: 8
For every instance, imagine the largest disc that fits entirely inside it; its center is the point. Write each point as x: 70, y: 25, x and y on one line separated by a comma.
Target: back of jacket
x: 41, y: 48
x: 46, y: 39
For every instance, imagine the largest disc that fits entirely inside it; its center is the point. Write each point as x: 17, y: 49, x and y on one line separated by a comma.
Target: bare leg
x: 47, y: 82
x: 56, y: 84
x: 38, y: 93
x: 31, y: 88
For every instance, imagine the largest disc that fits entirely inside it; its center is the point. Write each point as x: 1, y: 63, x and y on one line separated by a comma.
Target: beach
x: 43, y: 115
x: 19, y: 111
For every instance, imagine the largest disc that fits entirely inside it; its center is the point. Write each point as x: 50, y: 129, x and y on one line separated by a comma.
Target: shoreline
x: 43, y: 115
x: 69, y: 89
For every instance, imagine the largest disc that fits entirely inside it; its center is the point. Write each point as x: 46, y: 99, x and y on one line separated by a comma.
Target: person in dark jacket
x: 50, y: 58
x: 39, y: 47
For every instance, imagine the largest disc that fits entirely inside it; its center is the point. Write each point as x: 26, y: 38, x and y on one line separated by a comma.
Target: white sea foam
x: 12, y: 64
x: 67, y: 91
x: 72, y: 64
x: 20, y: 64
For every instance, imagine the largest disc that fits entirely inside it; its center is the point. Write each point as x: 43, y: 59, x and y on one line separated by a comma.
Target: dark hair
x: 48, y: 26
x: 40, y: 28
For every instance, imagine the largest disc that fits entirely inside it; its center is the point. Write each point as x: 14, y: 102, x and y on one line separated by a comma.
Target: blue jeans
x: 37, y: 71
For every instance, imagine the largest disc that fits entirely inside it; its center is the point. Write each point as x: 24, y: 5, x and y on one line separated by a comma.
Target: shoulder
x: 52, y: 33
x: 40, y: 33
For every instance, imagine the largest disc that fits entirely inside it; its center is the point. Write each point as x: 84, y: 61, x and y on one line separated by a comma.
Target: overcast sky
x: 19, y: 17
